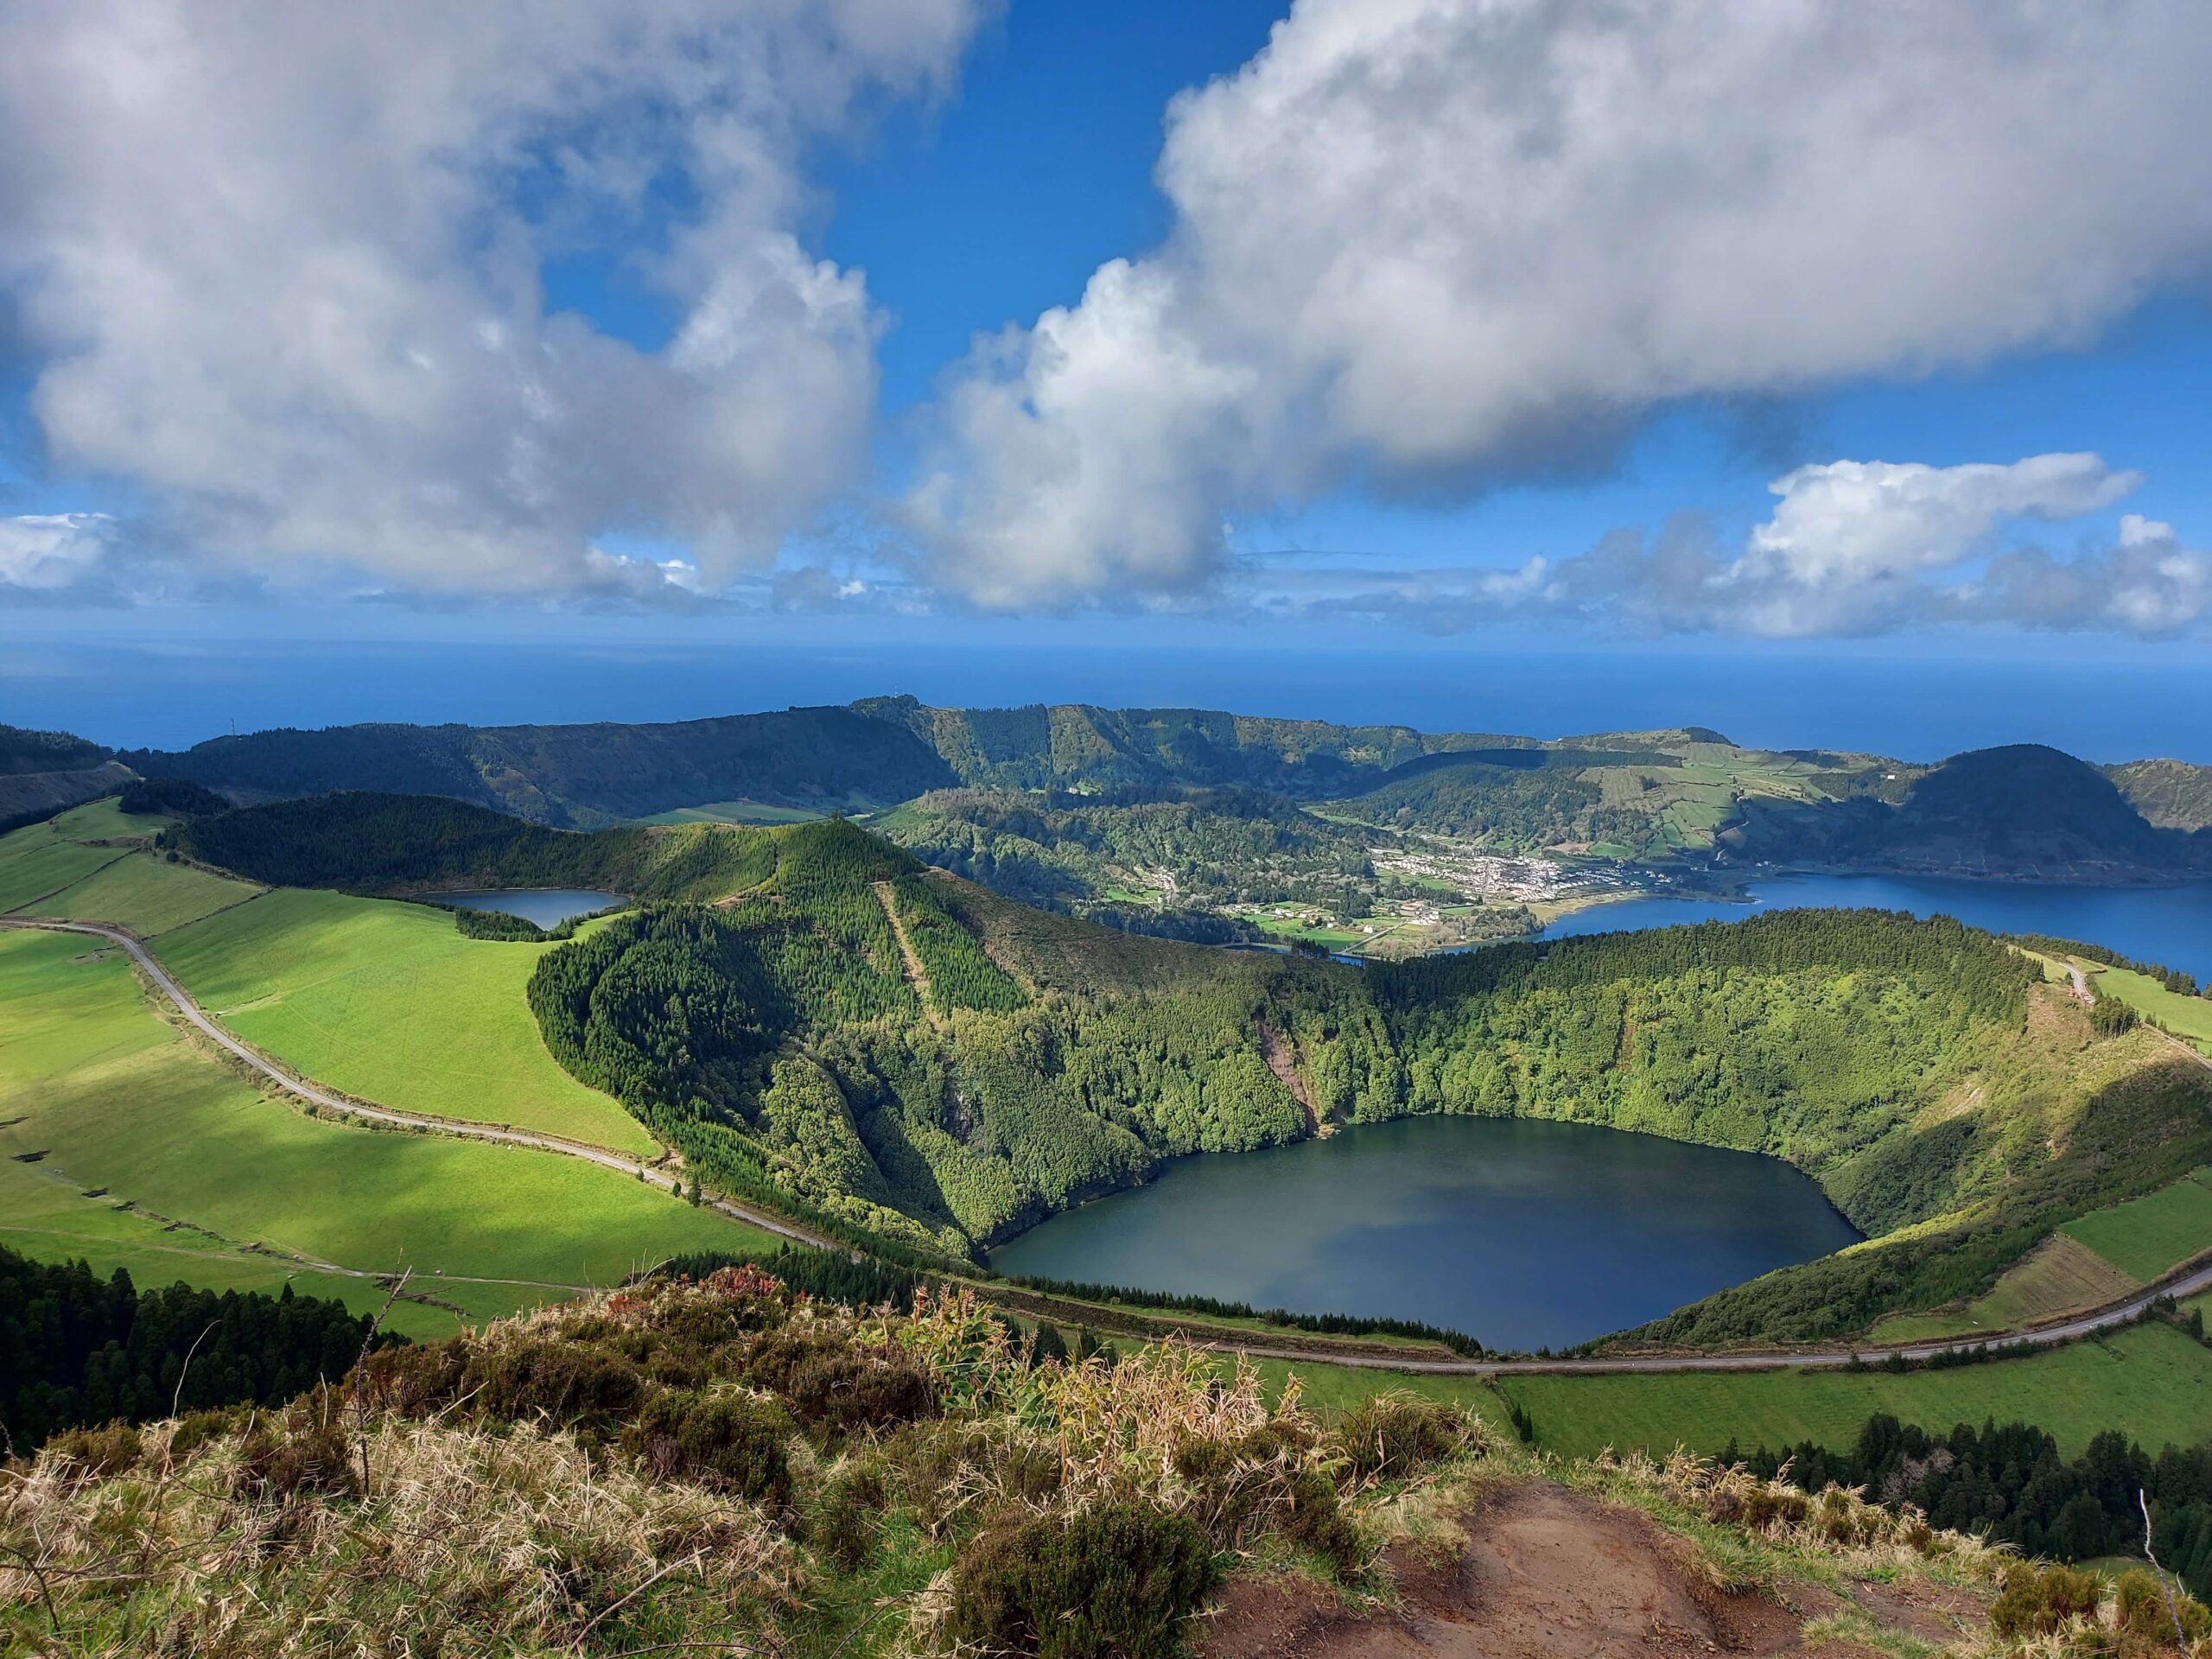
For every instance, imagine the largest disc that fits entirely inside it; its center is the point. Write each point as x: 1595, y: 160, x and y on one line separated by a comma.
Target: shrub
x: 730, y: 1443
x: 2041, y: 1600
x: 841, y: 1527
x: 1116, y: 1579
x: 2143, y: 1612
x: 837, y: 1387
x: 1391, y: 1435
x: 302, y: 1449
x: 562, y: 1381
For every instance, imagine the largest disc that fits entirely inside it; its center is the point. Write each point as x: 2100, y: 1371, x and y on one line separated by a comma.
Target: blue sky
x: 952, y: 323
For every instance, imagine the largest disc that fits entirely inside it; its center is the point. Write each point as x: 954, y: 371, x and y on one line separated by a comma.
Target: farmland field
x: 2189, y: 1017
x: 148, y: 897
x: 2150, y: 1380
x: 2148, y: 1236
x: 115, y: 1098
x: 388, y: 1003
x: 32, y: 871
x: 2061, y: 1274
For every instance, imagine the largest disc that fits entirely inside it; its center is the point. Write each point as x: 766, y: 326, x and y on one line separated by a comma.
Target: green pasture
x: 105, y: 820
x: 30, y: 874
x: 117, y: 1099
x: 2150, y: 1380
x: 388, y: 1002
x: 2148, y: 1236
x: 2059, y: 1275
x: 758, y: 812
x: 2189, y: 1017
x: 144, y: 893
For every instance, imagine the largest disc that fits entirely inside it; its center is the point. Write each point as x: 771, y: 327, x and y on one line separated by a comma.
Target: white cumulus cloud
x: 1852, y: 548
x: 279, y: 266
x: 1425, y: 243
x: 51, y: 551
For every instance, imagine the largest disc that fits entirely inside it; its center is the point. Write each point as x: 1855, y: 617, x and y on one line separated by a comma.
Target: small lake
x: 1523, y: 1233
x: 547, y: 906
x: 2172, y: 925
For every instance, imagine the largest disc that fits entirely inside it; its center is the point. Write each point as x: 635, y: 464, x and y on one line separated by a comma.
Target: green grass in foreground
x: 117, y: 1099
x: 2189, y: 1017
x: 2148, y: 1236
x: 388, y: 1003
x: 145, y: 894
x: 2150, y: 1380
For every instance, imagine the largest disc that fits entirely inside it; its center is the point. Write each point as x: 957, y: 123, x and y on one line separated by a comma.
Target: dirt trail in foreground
x: 1548, y: 1573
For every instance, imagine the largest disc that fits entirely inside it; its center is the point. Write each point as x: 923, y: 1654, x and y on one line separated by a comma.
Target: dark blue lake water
x: 547, y: 906
x: 1525, y: 1234
x: 2169, y: 925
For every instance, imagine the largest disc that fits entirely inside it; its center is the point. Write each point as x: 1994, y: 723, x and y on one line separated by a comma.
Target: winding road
x: 292, y: 1085
x: 2185, y: 1281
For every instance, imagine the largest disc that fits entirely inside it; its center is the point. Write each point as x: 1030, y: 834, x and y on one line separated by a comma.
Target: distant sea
x: 173, y: 695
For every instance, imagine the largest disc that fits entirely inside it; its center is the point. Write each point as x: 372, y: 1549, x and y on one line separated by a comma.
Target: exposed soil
x: 1546, y: 1574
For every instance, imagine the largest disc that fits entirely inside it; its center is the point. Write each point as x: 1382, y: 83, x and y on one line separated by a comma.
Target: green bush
x: 2145, y: 1613
x: 731, y: 1443
x: 2039, y: 1601
x: 1116, y: 1579
x: 562, y: 1381
x: 836, y: 1388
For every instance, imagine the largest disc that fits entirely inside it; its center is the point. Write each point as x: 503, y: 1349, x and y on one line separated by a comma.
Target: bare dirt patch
x: 1544, y: 1573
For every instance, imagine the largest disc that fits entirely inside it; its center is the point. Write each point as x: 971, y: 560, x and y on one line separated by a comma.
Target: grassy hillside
x: 2172, y: 794
x: 388, y: 1002
x: 120, y: 1103
x: 2150, y: 1382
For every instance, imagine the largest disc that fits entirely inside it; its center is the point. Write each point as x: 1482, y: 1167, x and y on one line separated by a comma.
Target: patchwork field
x: 2061, y: 1275
x: 142, y: 892
x: 2149, y: 1235
x: 30, y: 872
x: 388, y: 1002
x: 109, y: 1097
x: 2150, y: 1380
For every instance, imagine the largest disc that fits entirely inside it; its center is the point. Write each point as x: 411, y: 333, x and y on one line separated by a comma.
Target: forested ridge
x: 369, y: 842
x: 784, y: 1042
x: 77, y: 1349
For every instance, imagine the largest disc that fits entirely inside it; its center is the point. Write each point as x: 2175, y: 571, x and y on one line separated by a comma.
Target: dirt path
x: 917, y: 976
x: 329, y: 1102
x: 1544, y: 1573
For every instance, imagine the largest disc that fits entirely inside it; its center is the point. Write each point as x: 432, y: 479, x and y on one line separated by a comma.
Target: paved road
x: 308, y: 1091
x: 2187, y: 1283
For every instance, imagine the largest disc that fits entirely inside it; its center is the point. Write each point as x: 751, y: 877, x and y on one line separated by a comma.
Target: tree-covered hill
x: 2170, y: 794
x: 2024, y: 809
x: 45, y: 773
x: 581, y: 776
x: 363, y: 842
x: 916, y: 1058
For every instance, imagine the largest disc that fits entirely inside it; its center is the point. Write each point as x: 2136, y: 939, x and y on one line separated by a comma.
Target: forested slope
x: 419, y: 844
x: 787, y: 1044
